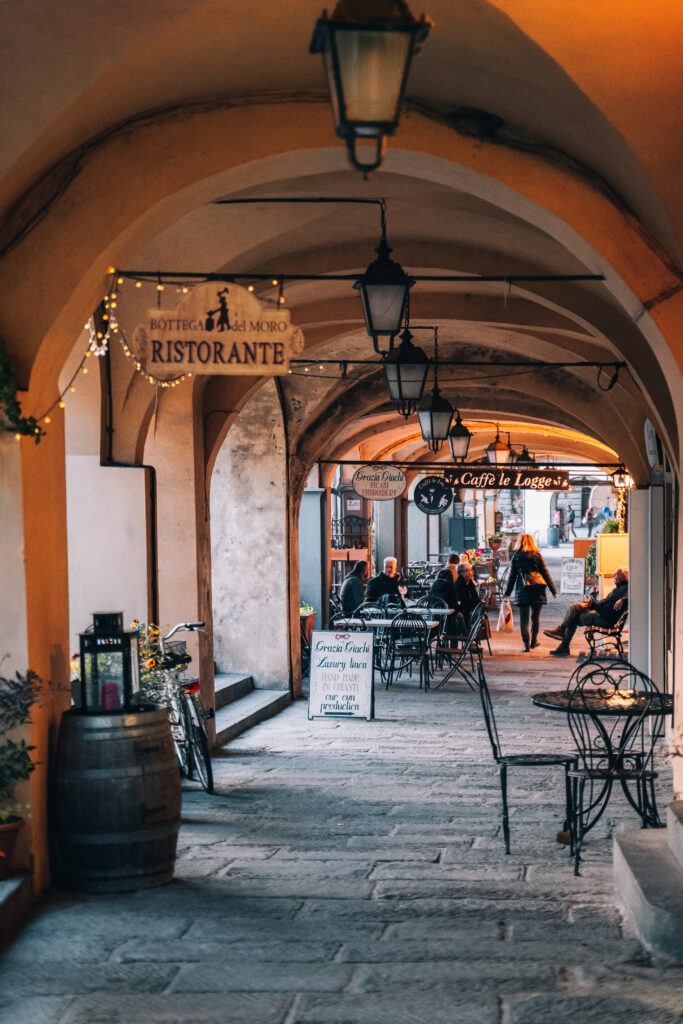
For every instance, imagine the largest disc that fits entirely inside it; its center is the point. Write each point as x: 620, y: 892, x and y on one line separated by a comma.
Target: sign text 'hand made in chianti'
x: 217, y: 328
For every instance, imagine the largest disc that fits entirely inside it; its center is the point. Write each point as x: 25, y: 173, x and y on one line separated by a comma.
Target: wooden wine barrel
x: 117, y: 801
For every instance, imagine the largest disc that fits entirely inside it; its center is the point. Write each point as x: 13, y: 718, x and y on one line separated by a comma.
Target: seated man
x: 466, y: 593
x: 385, y: 582
x: 591, y: 613
x: 444, y: 589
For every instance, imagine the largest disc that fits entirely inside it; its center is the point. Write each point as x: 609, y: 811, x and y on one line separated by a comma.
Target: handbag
x: 533, y: 579
x: 505, y: 617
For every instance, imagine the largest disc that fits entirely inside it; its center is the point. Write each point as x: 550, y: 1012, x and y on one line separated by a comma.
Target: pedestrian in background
x: 529, y: 577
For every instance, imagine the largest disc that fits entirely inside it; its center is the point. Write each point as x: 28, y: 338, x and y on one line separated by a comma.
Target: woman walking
x: 529, y: 576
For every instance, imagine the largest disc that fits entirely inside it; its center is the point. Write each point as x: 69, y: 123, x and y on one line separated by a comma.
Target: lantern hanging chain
x: 436, y: 360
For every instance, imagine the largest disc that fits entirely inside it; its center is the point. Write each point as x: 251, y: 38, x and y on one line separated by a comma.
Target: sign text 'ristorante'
x: 217, y: 329
x: 483, y: 478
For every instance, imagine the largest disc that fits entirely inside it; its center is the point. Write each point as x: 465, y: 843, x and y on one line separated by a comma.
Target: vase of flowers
x: 17, y: 695
x: 495, y: 541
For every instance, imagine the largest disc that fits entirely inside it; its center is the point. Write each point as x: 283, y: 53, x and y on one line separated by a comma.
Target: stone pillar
x: 657, y: 584
x: 433, y: 538
x: 250, y: 545
x: 385, y: 519
x: 639, y: 548
x: 418, y: 527
x: 313, y: 544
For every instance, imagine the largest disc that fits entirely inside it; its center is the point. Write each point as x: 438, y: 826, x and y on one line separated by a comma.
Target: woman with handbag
x: 529, y: 576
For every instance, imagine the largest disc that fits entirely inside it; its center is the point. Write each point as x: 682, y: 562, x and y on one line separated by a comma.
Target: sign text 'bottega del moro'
x: 217, y: 328
x: 505, y: 477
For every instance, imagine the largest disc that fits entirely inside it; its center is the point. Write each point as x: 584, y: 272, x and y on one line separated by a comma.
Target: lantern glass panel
x: 372, y: 68
x: 110, y: 677
x: 406, y: 380
x: 435, y: 419
x: 383, y: 306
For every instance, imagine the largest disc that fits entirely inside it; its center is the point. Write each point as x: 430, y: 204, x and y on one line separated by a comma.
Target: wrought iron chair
x: 607, y: 640
x: 376, y: 610
x: 530, y: 760
x: 616, y: 714
x: 456, y: 651
x: 436, y: 632
x: 405, y: 643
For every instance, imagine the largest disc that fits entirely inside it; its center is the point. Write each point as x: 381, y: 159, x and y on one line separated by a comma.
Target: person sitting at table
x: 386, y: 582
x: 443, y: 588
x: 452, y: 565
x: 591, y: 613
x: 466, y: 595
x: 353, y: 591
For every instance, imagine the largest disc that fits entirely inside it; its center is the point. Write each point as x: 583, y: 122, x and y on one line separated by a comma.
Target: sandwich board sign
x: 341, y: 682
x: 573, y: 576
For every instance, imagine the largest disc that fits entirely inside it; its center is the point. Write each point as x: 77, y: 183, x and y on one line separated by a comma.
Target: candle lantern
x: 110, y: 676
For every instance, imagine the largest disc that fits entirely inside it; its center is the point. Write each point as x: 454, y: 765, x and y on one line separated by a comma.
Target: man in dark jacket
x: 385, y: 582
x: 591, y: 613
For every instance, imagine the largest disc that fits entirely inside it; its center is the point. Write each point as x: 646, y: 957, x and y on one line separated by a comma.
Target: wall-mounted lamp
x: 367, y: 47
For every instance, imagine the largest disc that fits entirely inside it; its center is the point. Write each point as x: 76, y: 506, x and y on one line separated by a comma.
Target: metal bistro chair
x: 437, y: 631
x: 616, y: 715
x: 375, y: 610
x: 607, y: 640
x: 530, y: 760
x: 455, y: 651
x: 406, y: 643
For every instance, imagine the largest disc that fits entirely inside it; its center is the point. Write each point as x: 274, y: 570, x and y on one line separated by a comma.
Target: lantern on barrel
x: 110, y: 674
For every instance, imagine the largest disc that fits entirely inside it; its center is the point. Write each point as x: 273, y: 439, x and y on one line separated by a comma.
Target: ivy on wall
x: 10, y: 408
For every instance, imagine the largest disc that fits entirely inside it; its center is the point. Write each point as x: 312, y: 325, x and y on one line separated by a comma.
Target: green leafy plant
x: 17, y: 696
x: 10, y: 407
x: 306, y: 609
x: 610, y: 526
x: 591, y: 555
x: 495, y: 538
x: 157, y: 670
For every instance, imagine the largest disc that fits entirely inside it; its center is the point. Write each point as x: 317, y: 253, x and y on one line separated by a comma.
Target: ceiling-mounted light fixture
x: 384, y: 291
x: 406, y: 372
x: 367, y: 47
x: 459, y: 438
x: 498, y: 451
x: 436, y: 412
x: 526, y: 458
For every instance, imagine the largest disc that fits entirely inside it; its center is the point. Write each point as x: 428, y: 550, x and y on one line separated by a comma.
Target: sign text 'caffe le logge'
x: 483, y: 477
x: 217, y: 328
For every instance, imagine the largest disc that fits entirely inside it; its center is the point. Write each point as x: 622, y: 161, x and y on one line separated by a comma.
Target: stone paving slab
x: 354, y: 873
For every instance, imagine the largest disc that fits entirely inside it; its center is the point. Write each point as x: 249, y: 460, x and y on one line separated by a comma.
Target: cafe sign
x: 379, y: 483
x: 485, y: 478
x: 217, y: 328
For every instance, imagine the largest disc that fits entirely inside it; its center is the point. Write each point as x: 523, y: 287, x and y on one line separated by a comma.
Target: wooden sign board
x: 573, y: 580
x: 500, y: 478
x: 379, y: 483
x: 342, y: 684
x: 217, y: 329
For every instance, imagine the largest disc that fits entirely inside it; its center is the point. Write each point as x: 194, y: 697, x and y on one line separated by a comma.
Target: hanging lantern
x: 109, y: 666
x: 406, y: 372
x: 622, y: 479
x: 384, y: 292
x: 367, y: 48
x: 498, y: 451
x: 526, y: 458
x: 436, y: 412
x: 459, y: 438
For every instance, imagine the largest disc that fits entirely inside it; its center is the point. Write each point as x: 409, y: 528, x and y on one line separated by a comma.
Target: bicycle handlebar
x: 189, y: 626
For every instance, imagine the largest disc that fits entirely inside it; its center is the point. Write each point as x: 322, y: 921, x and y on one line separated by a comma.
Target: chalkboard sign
x: 341, y: 675
x: 573, y: 576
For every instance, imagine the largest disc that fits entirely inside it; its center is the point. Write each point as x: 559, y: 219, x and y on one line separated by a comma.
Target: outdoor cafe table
x: 385, y: 623
x: 626, y: 704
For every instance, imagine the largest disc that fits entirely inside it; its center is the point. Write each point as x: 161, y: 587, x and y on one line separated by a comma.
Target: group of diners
x: 453, y: 585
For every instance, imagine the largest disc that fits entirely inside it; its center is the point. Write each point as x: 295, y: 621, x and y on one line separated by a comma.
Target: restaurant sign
x: 486, y: 478
x: 217, y: 329
x: 432, y: 496
x: 379, y: 483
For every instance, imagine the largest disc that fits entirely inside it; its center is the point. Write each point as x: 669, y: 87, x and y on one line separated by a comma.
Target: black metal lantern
x: 406, y: 372
x: 459, y: 438
x: 384, y: 292
x: 620, y: 478
x: 498, y: 451
x: 367, y: 47
x: 436, y: 412
x: 110, y: 677
x: 526, y: 458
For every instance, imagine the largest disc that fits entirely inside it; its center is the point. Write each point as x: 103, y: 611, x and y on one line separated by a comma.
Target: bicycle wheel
x: 199, y: 745
x: 179, y: 733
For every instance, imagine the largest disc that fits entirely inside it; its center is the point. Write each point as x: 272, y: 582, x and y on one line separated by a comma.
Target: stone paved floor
x: 353, y: 873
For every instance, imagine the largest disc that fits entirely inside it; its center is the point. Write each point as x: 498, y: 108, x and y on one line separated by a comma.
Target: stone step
x: 674, y: 829
x: 649, y: 880
x: 242, y: 714
x: 231, y: 686
x: 16, y: 906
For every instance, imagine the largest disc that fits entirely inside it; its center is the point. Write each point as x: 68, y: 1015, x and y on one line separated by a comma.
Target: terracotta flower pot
x: 9, y: 831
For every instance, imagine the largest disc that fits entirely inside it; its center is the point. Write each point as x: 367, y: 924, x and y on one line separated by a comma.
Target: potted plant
x: 16, y: 698
x: 591, y: 555
x: 307, y: 620
x: 495, y: 541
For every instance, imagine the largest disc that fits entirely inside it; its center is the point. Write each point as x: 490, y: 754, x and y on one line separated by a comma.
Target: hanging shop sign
x: 217, y: 329
x: 432, y: 496
x: 341, y: 684
x: 379, y: 483
x: 500, y: 478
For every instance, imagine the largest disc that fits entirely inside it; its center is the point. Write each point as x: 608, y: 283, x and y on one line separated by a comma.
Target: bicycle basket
x: 175, y: 654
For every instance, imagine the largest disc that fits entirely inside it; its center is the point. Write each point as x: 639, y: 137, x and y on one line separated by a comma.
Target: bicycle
x: 187, y: 712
